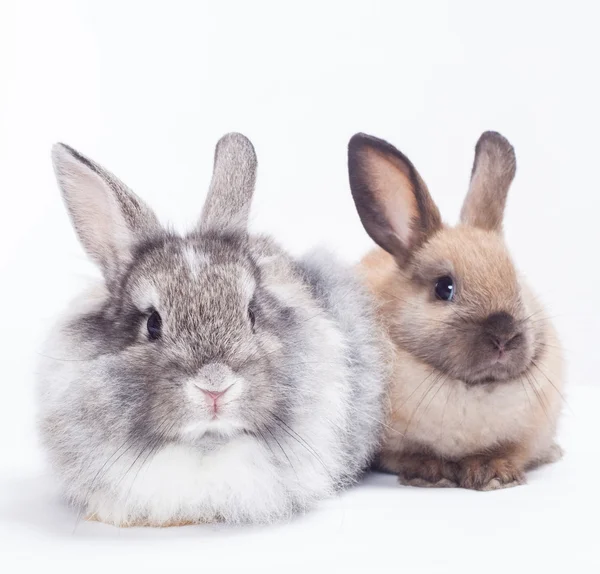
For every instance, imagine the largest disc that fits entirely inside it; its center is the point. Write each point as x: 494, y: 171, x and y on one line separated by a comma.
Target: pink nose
x: 214, y: 395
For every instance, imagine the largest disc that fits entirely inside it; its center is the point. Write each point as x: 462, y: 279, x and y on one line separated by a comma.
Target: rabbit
x: 477, y: 380
x: 208, y: 377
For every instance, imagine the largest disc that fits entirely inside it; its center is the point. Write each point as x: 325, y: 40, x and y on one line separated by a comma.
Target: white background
x: 147, y: 88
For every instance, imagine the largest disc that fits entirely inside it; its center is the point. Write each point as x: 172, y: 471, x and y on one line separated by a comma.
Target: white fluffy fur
x: 124, y: 412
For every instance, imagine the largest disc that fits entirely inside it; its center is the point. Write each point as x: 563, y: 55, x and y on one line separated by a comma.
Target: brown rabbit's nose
x: 501, y: 331
x: 500, y: 324
x: 504, y: 344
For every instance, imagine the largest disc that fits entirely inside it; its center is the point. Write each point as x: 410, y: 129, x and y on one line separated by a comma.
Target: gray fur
x: 116, y: 407
x: 227, y: 206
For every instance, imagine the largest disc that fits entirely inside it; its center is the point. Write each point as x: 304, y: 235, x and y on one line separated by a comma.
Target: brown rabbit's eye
x: 154, y: 325
x: 444, y: 288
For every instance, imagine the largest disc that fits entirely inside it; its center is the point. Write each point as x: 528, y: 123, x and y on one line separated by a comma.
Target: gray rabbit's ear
x: 493, y: 171
x: 391, y: 198
x: 108, y: 217
x: 227, y: 206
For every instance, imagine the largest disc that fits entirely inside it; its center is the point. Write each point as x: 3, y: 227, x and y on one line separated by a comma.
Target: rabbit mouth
x: 501, y: 370
x: 215, y: 427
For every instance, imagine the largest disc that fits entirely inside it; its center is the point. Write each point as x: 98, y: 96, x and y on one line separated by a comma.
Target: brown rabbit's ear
x: 392, y: 200
x: 493, y: 171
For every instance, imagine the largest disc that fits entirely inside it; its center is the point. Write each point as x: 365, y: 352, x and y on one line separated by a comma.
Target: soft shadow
x: 379, y: 479
x: 35, y: 504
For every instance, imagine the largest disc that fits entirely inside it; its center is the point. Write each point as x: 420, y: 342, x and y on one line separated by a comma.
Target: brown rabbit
x: 476, y: 387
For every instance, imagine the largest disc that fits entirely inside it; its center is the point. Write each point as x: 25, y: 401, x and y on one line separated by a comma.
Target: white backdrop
x: 147, y: 88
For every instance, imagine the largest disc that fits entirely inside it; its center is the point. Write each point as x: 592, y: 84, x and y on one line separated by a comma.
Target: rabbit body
x: 476, y: 389
x: 209, y: 377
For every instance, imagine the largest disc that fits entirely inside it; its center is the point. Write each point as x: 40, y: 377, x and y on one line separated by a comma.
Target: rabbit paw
x: 427, y: 472
x: 485, y: 473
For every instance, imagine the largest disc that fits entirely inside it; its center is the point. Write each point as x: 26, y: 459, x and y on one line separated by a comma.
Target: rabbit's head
x: 456, y: 299
x: 188, y: 334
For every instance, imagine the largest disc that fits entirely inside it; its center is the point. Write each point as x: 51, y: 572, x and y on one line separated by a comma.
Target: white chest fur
x: 236, y: 482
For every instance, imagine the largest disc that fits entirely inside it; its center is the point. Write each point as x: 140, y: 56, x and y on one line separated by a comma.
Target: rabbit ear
x: 107, y: 216
x: 493, y: 171
x: 392, y: 200
x: 227, y: 206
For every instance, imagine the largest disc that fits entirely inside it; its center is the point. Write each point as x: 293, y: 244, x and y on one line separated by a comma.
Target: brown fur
x: 499, y: 468
x: 459, y: 416
x: 493, y: 171
x: 395, y: 205
x: 480, y: 472
x: 418, y: 469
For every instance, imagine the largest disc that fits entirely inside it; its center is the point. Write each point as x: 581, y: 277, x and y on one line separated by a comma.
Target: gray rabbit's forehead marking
x: 164, y: 275
x: 145, y: 295
x: 196, y: 284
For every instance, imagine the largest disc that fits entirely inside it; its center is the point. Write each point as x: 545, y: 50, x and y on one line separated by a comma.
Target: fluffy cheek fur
x: 165, y: 391
x: 450, y: 336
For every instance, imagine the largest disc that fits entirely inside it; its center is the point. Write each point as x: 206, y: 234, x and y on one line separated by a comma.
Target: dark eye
x: 444, y: 288
x: 154, y: 325
x: 252, y: 317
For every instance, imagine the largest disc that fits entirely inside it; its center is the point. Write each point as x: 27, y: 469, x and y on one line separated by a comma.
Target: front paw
x: 424, y: 483
x: 485, y: 473
x: 426, y: 472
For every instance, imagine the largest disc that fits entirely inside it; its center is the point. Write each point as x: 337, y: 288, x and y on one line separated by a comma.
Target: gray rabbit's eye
x: 444, y: 288
x: 252, y: 317
x: 154, y: 325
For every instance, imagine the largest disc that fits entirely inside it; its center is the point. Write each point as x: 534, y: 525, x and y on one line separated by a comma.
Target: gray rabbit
x: 208, y: 377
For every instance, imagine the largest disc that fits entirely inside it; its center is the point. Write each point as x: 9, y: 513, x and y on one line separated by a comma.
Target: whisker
x: 283, y: 451
x: 452, y: 390
x: 293, y: 434
x: 443, y: 380
x: 148, y: 444
x: 526, y: 393
x: 401, y: 300
x: 65, y: 360
x: 396, y: 409
x: 532, y: 315
x: 156, y: 446
x: 534, y: 363
x: 539, y: 397
x: 108, y: 464
x: 429, y: 388
x: 265, y: 440
x: 375, y: 419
